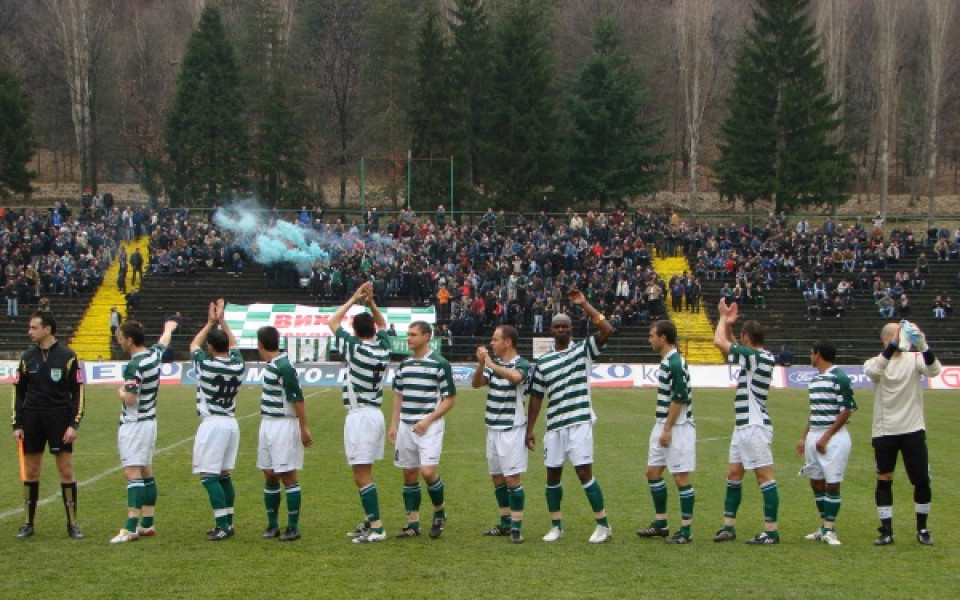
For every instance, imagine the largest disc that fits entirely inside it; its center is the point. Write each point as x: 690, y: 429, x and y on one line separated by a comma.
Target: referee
x: 47, y: 409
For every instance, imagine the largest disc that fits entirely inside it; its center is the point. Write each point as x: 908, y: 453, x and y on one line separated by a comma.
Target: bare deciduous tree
x: 79, y: 30
x: 887, y: 53
x: 939, y: 19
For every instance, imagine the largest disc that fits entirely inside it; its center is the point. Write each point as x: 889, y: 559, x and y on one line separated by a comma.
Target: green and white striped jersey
x: 505, y: 406
x: 423, y: 383
x: 753, y: 384
x: 830, y: 395
x: 218, y: 381
x: 564, y: 375
x: 366, y: 364
x: 281, y: 388
x: 141, y: 376
x: 673, y: 385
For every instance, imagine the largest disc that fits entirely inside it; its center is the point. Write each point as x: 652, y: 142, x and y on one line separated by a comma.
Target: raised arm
x: 168, y: 328
x: 723, y: 337
x: 231, y: 340
x: 341, y: 312
x: 378, y: 318
x: 604, y: 328
x: 479, y: 380
x: 197, y: 343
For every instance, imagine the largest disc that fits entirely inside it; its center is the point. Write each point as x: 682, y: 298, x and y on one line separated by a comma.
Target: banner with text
x: 612, y: 375
x: 302, y: 321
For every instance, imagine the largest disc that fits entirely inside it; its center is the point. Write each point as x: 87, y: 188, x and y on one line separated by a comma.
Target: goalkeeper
x: 898, y: 425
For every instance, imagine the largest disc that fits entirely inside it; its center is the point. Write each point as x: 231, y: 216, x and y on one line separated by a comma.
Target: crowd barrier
x: 609, y: 375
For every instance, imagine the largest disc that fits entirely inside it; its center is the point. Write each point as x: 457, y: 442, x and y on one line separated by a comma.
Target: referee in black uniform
x: 47, y: 408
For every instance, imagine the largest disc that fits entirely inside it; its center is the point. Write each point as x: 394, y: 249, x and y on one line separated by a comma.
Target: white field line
x: 19, y: 511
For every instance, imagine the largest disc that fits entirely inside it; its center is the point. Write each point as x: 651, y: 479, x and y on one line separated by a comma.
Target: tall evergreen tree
x: 431, y: 113
x: 611, y: 147
x: 519, y: 147
x: 207, y: 143
x: 775, y: 143
x: 16, y: 137
x: 471, y: 68
x: 278, y: 149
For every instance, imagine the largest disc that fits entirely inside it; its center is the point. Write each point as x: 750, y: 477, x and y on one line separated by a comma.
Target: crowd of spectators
x: 54, y: 252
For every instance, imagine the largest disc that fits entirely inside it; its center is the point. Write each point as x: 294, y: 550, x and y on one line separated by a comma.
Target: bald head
x: 560, y: 318
x: 890, y: 333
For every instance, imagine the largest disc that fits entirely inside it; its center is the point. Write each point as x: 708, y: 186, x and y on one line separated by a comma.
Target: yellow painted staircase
x: 694, y: 331
x: 92, y: 337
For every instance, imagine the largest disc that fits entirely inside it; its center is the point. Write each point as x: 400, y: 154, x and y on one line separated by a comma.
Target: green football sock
x: 658, y: 490
x: 135, y: 494
x: 503, y: 501
x: 149, y: 499
x: 229, y: 495
x: 820, y: 498
x: 516, y: 505
x: 595, y: 496
x: 688, y: 498
x: 771, y: 501
x: 271, y: 500
x: 435, y: 490
x: 411, y: 498
x: 731, y: 503
x: 217, y: 502
x: 371, y: 503
x: 831, y: 507
x: 293, y: 505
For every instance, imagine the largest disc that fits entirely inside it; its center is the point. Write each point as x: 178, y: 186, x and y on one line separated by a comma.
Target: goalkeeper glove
x: 916, y: 337
x: 903, y: 344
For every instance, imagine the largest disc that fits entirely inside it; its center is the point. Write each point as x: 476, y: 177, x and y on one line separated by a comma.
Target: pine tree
x: 519, y: 146
x: 278, y: 149
x: 16, y: 137
x: 471, y: 68
x: 207, y: 143
x: 431, y: 113
x: 775, y: 143
x: 611, y: 147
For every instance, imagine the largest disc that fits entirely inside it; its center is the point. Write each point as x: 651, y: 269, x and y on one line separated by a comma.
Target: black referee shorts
x: 42, y: 427
x: 912, y: 445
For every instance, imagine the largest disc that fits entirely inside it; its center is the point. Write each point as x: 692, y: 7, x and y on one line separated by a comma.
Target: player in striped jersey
x: 750, y: 447
x: 283, y: 435
x: 825, y: 441
x: 506, y: 374
x: 137, y: 437
x: 564, y: 374
x: 367, y: 354
x: 673, y: 440
x: 219, y: 369
x: 423, y: 393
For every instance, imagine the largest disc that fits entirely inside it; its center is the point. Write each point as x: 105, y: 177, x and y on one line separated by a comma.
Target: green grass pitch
x: 462, y: 563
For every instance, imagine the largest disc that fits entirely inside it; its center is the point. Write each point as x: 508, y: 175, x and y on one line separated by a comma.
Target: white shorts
x: 280, y: 449
x: 573, y: 444
x: 832, y: 465
x: 136, y: 443
x: 363, y: 435
x: 751, y: 446
x: 215, y: 447
x: 681, y: 456
x: 414, y: 450
x: 507, y: 451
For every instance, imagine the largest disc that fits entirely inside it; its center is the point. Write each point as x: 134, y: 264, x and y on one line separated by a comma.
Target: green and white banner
x: 301, y: 321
